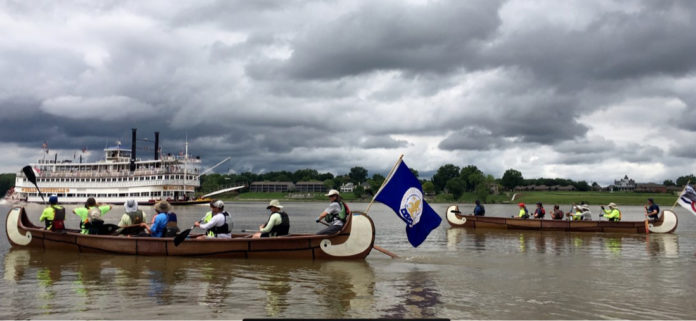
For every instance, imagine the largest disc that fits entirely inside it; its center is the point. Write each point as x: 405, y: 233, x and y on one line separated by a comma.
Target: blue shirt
x: 479, y: 210
x: 654, y: 207
x: 159, y: 226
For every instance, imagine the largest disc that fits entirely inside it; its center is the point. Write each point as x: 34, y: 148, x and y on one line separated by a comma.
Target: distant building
x: 564, y: 188
x: 347, y: 187
x: 651, y: 188
x: 267, y: 187
x: 310, y: 187
x: 624, y: 184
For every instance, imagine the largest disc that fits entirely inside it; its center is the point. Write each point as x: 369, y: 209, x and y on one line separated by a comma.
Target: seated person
x: 652, y: 210
x: 540, y: 212
x: 557, y: 214
x: 159, y: 222
x: 172, y: 227
x: 278, y: 223
x: 524, y: 213
x: 613, y: 214
x: 131, y: 219
x: 335, y: 215
x: 53, y: 215
x: 217, y: 226
x: 479, y: 210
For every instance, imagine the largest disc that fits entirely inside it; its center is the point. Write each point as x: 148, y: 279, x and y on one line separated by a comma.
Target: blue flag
x: 404, y: 194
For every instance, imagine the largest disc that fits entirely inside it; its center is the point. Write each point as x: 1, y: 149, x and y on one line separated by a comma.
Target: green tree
x: 668, y: 182
x: 511, y: 178
x: 306, y: 174
x: 443, y: 175
x: 582, y: 186
x: 428, y: 188
x: 682, y: 180
x: 6, y: 181
x: 330, y: 183
x: 358, y: 174
x: 358, y: 191
x: 375, y: 182
x: 482, y: 191
x: 456, y: 187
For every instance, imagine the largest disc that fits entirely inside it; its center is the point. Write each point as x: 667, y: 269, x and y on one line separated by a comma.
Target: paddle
x: 182, y: 236
x: 647, y: 228
x: 378, y: 248
x: 29, y: 173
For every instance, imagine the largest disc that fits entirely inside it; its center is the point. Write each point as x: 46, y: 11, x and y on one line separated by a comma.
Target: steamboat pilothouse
x: 118, y: 177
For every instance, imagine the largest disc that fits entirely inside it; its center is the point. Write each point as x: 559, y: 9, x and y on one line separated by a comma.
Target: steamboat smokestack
x: 156, y: 145
x: 132, y: 159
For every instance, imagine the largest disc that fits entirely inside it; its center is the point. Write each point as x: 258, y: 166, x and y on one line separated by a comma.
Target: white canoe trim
x: 668, y: 223
x: 359, y: 240
x: 460, y: 220
x: 13, y: 230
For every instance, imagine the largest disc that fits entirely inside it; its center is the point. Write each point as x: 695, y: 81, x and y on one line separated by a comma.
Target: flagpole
x: 677, y: 201
x: 384, y: 183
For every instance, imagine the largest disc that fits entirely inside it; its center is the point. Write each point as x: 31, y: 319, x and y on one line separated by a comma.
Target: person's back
x: 172, y: 225
x: 557, y: 214
x: 479, y: 210
x: 53, y: 216
x: 131, y: 219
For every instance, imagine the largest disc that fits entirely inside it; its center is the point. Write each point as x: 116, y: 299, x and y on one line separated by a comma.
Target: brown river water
x: 456, y: 273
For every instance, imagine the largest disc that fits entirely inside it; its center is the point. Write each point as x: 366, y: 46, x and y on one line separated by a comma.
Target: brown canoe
x: 666, y: 224
x: 355, y: 241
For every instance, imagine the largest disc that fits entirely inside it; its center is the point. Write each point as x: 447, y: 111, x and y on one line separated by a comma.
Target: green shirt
x: 612, y: 215
x: 83, y: 213
x: 49, y: 214
x: 274, y: 220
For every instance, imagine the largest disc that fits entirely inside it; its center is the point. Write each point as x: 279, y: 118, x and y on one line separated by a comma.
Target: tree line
x: 449, y: 179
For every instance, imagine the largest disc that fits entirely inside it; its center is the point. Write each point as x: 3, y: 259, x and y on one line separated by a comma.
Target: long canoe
x: 354, y: 241
x: 666, y: 224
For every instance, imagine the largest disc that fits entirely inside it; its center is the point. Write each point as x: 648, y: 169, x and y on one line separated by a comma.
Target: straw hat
x: 130, y: 206
x: 332, y: 192
x: 274, y: 203
x: 163, y: 207
x: 612, y: 205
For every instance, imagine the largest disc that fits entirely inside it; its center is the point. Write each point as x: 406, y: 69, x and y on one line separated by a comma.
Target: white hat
x: 130, y: 206
x: 274, y: 203
x: 612, y: 205
x: 332, y: 192
x: 217, y: 204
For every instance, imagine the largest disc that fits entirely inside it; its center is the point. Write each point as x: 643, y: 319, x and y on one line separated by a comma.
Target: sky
x: 586, y: 90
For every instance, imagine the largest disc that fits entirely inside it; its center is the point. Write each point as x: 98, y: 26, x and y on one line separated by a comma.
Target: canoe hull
x: 667, y: 224
x: 355, y: 241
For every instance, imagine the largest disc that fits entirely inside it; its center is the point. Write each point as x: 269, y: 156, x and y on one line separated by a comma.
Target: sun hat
x: 332, y: 192
x: 53, y: 199
x: 612, y: 205
x: 130, y: 206
x: 163, y: 207
x: 217, y: 204
x: 274, y: 203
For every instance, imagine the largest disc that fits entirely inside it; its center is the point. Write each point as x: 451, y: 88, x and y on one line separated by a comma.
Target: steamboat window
x: 71, y: 195
x: 122, y: 194
x: 91, y: 195
x: 81, y: 195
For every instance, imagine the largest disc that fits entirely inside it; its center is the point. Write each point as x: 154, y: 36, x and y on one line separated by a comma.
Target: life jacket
x: 136, y: 217
x: 58, y: 218
x: 342, y: 214
x: 283, y: 228
x: 222, y: 229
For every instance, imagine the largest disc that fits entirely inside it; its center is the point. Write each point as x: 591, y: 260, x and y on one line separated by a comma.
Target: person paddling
x: 335, y: 214
x: 613, y: 214
x: 53, y: 215
x: 652, y: 210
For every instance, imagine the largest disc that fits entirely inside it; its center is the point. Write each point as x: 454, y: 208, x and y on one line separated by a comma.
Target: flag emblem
x: 412, y: 206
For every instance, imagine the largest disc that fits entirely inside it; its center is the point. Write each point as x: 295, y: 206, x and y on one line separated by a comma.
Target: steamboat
x: 118, y: 177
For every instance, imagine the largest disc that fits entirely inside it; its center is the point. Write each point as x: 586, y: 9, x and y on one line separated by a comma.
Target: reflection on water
x: 418, y: 298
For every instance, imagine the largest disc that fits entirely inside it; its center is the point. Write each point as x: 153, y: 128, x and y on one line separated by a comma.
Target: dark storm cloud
x: 293, y: 84
x: 435, y: 38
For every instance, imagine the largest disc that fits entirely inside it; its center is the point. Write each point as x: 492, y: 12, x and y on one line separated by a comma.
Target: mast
x: 185, y: 165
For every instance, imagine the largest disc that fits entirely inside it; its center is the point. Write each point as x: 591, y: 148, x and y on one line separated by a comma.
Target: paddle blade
x: 29, y: 173
x: 181, y: 237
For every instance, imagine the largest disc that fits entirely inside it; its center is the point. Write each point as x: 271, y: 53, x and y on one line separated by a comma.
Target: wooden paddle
x: 647, y: 230
x: 29, y: 173
x: 378, y: 248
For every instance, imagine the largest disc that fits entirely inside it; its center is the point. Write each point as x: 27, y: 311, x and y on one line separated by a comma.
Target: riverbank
x: 546, y: 197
